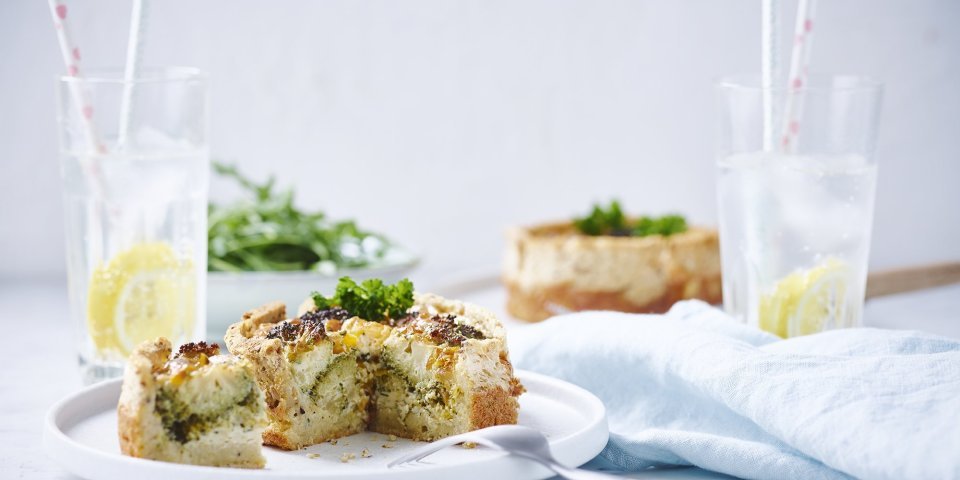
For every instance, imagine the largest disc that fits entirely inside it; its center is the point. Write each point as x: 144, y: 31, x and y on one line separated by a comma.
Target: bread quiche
x: 607, y: 261
x: 443, y: 370
x: 194, y: 406
x: 380, y: 358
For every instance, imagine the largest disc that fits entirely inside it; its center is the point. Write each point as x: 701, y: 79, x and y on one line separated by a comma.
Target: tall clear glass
x: 136, y: 210
x: 796, y: 216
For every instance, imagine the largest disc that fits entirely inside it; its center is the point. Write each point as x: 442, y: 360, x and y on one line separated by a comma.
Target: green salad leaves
x: 268, y: 233
x: 612, y: 221
x: 370, y: 300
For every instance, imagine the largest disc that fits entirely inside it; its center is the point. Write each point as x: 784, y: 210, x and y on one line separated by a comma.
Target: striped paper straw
x: 799, y: 66
x: 71, y: 58
x: 132, y: 67
x: 91, y: 164
x: 770, y: 67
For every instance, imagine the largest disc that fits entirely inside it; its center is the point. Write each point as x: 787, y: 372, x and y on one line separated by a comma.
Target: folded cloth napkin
x: 693, y: 387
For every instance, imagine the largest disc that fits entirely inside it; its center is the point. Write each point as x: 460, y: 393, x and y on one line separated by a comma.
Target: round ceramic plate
x: 81, y: 434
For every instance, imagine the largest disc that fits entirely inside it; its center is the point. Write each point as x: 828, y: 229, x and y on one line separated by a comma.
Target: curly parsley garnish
x: 604, y: 221
x: 370, y: 300
x: 612, y: 221
x: 665, y: 225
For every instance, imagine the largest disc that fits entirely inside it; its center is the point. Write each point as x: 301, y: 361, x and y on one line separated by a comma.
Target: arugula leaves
x: 268, y: 233
x: 612, y: 221
x: 370, y: 300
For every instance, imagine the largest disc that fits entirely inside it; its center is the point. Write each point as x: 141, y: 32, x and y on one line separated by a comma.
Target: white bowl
x: 229, y: 294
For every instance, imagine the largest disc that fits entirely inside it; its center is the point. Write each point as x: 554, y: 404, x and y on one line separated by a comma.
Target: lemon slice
x: 807, y: 301
x: 140, y: 294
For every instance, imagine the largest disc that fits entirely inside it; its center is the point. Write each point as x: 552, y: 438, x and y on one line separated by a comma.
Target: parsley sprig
x: 370, y: 300
x: 612, y: 221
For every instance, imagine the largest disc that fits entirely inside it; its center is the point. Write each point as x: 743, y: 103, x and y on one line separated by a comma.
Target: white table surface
x: 40, y: 364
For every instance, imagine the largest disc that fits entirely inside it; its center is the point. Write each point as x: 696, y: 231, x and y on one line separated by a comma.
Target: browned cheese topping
x: 190, y: 357
x: 195, y: 349
x: 312, y: 325
x: 442, y: 329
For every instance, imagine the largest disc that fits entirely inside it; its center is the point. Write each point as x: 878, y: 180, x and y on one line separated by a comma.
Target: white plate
x: 81, y: 434
x: 229, y: 294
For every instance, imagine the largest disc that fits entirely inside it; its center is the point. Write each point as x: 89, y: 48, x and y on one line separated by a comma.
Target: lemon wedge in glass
x: 807, y: 301
x: 142, y: 293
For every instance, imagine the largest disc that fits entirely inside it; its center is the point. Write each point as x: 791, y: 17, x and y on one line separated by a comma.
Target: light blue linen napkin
x: 693, y: 387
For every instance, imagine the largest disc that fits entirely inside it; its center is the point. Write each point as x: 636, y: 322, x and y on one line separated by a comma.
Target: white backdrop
x: 442, y: 122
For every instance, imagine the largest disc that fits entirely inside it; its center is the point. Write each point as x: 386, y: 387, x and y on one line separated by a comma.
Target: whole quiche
x: 608, y: 261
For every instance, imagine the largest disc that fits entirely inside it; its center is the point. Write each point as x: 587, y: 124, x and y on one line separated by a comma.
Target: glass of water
x: 135, y: 169
x: 796, y: 213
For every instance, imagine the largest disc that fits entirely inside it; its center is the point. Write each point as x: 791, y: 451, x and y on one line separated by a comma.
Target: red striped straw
x: 799, y: 66
x: 71, y: 58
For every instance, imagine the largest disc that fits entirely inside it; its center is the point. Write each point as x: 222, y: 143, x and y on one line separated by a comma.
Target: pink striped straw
x: 71, y: 58
x: 799, y: 66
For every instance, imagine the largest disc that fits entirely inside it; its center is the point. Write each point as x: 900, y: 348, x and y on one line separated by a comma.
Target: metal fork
x: 516, y: 440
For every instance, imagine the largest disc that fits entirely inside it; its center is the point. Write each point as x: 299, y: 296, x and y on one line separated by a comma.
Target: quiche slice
x: 194, y: 406
x: 440, y: 369
x: 317, y: 382
x: 444, y: 370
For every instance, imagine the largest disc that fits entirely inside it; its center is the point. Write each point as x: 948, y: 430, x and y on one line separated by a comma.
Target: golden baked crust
x: 551, y: 269
x: 220, y: 429
x: 494, y: 406
x: 135, y: 400
x: 442, y: 369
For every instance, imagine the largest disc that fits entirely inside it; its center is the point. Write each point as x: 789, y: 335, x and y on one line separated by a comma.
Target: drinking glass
x: 796, y: 214
x: 135, y: 170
